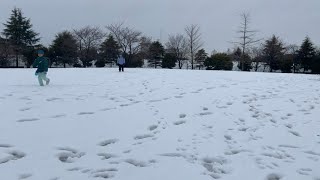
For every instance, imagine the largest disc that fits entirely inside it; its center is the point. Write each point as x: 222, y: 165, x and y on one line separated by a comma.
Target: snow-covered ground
x: 148, y: 124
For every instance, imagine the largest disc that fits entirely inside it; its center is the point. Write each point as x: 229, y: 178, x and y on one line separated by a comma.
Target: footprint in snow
x: 205, y: 109
x: 5, y: 146
x: 108, y: 142
x: 152, y: 127
x: 106, y: 156
x: 289, y: 114
x: 74, y: 169
x: 273, y: 121
x: 182, y: 116
x: 143, y: 136
x: 274, y: 176
x: 229, y: 103
x: 85, y: 113
x: 205, y: 113
x: 289, y: 126
x: 25, y: 176
x: 25, y: 109
x: 69, y: 155
x: 105, y: 170
x: 53, y: 99
x: 228, y: 137
x: 304, y: 171
x: 84, y: 171
x: 28, y: 120
x: 179, y: 122
x: 136, y: 163
x: 107, y: 109
x: 312, y: 153
x: 288, y: 146
x: 58, y: 116
x: 104, y: 175
x: 127, y: 151
x: 295, y: 133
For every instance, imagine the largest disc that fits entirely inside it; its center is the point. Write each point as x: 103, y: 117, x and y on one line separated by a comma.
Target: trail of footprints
x: 215, y: 167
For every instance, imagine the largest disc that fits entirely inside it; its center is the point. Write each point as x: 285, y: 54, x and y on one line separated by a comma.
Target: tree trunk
x: 191, y: 60
x: 17, y: 60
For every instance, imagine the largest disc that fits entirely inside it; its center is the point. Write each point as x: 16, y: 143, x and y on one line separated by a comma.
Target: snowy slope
x: 159, y: 124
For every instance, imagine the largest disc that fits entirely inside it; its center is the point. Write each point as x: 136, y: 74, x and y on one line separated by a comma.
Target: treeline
x: 92, y: 46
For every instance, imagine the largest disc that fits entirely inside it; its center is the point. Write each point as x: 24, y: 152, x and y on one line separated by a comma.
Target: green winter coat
x: 42, y: 63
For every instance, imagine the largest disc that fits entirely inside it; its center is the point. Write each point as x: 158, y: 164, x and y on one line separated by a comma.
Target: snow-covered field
x: 159, y: 125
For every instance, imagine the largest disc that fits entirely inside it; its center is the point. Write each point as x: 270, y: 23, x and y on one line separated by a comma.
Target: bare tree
x: 194, y: 40
x: 128, y: 38
x: 247, y: 37
x: 89, y: 39
x: 178, y: 46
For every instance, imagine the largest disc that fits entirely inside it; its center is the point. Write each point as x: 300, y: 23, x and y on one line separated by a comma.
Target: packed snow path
x: 159, y: 124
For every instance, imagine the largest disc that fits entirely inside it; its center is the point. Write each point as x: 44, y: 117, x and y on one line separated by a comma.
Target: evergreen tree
x: 219, y: 61
x: 64, y: 48
x: 200, y: 57
x: 156, y: 52
x: 109, y: 52
x: 286, y: 63
x: 19, y: 31
x: 316, y: 64
x: 169, y: 61
x: 306, y: 54
x: 273, y: 53
x: 5, y: 52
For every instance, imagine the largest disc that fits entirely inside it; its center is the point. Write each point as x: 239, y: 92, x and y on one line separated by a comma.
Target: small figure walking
x: 121, y: 62
x: 42, y: 63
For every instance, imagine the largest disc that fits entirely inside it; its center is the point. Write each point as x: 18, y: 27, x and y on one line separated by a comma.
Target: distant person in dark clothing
x: 121, y: 62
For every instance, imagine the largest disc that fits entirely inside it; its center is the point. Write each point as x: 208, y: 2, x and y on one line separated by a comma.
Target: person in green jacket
x: 42, y: 63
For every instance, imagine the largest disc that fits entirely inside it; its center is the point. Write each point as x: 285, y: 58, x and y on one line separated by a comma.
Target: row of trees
x: 273, y: 54
x: 90, y: 46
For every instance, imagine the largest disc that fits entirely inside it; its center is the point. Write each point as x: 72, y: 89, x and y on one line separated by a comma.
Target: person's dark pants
x: 121, y: 67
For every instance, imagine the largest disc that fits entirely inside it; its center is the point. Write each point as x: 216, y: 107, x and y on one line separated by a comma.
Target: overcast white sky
x: 292, y: 20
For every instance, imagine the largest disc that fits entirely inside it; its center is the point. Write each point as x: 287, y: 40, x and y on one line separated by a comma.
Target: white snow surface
x: 145, y: 124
